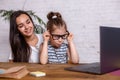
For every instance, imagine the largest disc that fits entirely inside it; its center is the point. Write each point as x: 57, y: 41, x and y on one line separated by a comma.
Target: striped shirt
x: 58, y: 55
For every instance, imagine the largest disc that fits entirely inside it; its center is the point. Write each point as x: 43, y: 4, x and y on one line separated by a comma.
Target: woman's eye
x: 20, y: 26
x: 28, y: 22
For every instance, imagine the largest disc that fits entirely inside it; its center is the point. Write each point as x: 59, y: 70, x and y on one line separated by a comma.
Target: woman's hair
x: 55, y: 18
x: 20, y: 49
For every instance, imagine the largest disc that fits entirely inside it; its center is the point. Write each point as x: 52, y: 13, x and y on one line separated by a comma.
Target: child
x: 54, y: 49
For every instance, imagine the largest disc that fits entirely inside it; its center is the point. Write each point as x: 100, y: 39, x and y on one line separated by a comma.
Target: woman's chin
x: 28, y: 34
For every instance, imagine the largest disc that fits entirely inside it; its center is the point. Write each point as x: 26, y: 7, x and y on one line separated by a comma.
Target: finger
x: 47, y: 35
x: 70, y: 34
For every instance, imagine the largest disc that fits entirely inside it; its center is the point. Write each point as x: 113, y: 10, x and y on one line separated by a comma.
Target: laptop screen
x: 109, y: 48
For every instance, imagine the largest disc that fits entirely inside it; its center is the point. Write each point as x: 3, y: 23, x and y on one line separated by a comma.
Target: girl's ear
x: 68, y: 33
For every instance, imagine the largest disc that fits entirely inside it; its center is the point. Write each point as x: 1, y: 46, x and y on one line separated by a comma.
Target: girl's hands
x: 70, y: 37
x: 46, y: 35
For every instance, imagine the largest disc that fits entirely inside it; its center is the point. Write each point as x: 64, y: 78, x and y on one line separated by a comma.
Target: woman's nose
x: 26, y: 26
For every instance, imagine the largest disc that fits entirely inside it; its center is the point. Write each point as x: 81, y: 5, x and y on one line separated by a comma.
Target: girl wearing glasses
x: 54, y: 49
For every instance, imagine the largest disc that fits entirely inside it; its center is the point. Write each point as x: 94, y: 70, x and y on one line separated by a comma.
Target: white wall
x: 83, y: 18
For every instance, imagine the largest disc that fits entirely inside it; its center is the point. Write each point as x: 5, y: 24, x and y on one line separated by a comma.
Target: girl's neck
x: 56, y: 47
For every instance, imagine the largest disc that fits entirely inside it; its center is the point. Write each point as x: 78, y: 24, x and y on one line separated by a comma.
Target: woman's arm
x: 44, y: 49
x: 72, y: 53
x: 10, y: 61
x: 10, y: 57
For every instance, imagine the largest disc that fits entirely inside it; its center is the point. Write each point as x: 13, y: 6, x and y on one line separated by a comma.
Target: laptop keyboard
x: 90, y: 68
x: 95, y: 69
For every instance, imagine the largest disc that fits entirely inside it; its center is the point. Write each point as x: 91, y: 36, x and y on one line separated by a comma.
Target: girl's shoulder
x: 64, y: 44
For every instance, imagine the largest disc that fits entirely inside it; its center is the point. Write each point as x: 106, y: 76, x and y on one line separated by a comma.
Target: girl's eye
x: 55, y: 36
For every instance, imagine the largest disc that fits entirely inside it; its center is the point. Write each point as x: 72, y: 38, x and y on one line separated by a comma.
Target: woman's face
x: 58, y: 36
x: 25, y: 25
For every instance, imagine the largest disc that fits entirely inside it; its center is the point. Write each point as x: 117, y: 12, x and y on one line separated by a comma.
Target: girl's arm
x: 43, y: 53
x: 44, y: 49
x: 72, y: 53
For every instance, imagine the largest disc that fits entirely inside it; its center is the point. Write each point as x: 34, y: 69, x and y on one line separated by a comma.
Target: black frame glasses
x: 57, y: 37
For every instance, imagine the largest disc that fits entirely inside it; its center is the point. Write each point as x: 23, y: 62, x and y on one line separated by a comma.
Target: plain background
x: 83, y: 18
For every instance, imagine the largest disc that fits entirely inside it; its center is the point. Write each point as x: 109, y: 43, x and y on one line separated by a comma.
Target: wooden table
x: 57, y: 72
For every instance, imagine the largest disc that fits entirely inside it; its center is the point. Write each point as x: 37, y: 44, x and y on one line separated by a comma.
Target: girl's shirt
x: 34, y: 57
x: 58, y: 55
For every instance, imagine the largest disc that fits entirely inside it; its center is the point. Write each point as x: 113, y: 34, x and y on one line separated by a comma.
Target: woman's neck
x: 32, y: 40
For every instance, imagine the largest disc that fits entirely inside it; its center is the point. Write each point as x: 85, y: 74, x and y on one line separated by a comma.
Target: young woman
x: 23, y: 41
x: 54, y: 49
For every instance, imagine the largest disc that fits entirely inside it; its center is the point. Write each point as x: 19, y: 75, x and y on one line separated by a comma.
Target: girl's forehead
x: 59, y: 30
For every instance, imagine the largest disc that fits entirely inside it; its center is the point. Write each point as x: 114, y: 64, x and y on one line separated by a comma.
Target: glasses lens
x: 55, y: 37
x: 64, y: 36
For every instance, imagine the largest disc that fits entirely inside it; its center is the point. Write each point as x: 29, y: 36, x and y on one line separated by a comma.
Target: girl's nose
x: 60, y: 39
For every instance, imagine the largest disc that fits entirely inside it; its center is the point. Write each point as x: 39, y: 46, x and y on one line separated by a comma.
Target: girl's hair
x: 55, y: 18
x: 20, y: 49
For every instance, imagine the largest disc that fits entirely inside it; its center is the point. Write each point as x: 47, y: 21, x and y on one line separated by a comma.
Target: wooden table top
x: 57, y: 72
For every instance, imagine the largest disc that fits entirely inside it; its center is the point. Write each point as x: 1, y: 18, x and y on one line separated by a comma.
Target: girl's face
x: 58, y: 36
x: 24, y: 25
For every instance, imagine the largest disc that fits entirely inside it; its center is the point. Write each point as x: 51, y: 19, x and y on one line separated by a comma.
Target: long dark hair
x: 55, y: 18
x: 20, y: 49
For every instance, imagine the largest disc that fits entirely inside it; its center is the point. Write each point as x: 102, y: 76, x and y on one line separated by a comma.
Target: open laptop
x: 109, y: 53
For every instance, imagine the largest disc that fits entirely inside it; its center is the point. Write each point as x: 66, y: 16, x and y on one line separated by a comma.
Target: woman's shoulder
x: 39, y: 36
x: 40, y: 39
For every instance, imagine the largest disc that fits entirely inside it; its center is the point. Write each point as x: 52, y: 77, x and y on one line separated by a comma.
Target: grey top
x: 57, y: 55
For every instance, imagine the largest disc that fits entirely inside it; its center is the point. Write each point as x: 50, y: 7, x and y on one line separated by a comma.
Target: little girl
x: 54, y: 49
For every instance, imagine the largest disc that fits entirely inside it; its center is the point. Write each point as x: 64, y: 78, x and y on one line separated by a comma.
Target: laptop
x: 109, y: 53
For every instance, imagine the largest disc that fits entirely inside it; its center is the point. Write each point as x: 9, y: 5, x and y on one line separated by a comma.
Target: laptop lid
x: 109, y: 48
x: 109, y: 53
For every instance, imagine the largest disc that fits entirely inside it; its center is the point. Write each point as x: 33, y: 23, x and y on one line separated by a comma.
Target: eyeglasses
x: 56, y: 37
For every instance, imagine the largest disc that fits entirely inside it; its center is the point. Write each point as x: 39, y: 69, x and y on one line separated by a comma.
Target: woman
x: 23, y: 41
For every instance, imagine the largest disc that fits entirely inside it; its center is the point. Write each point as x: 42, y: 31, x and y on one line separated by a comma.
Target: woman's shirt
x: 34, y: 57
x: 58, y: 55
